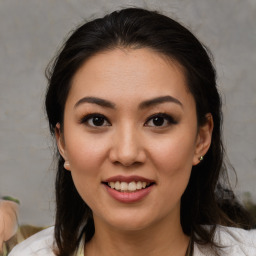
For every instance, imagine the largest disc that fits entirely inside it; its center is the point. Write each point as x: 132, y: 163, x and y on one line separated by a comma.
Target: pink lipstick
x: 128, y: 189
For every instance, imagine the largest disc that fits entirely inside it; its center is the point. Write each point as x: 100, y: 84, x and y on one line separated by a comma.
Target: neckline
x: 189, y: 251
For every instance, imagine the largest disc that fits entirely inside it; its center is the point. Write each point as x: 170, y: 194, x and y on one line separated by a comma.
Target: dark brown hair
x: 204, y: 202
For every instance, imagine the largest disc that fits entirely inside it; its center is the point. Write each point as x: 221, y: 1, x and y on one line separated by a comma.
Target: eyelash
x: 166, y: 117
x: 86, y: 119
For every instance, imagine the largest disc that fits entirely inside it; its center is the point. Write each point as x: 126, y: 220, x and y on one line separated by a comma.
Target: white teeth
x: 132, y: 186
x: 117, y: 185
x: 111, y: 184
x: 139, y: 185
x: 124, y: 186
x: 129, y: 187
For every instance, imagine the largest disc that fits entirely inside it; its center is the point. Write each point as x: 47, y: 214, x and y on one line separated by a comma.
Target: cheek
x: 86, y: 156
x: 175, y: 153
x: 85, y: 153
x: 173, y: 160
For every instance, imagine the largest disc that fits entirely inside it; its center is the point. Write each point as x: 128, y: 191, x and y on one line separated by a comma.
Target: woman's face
x: 130, y: 122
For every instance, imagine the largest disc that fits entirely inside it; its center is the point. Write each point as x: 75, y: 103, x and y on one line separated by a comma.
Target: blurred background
x: 31, y: 31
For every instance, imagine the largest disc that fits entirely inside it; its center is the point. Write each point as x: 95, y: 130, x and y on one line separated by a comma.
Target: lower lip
x: 129, y: 197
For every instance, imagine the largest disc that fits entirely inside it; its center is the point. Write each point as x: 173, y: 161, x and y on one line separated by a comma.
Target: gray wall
x: 30, y: 33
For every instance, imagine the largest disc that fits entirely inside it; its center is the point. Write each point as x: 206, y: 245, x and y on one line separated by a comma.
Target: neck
x: 162, y: 238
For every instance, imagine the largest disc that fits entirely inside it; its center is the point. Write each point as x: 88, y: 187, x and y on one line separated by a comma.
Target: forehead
x: 129, y: 74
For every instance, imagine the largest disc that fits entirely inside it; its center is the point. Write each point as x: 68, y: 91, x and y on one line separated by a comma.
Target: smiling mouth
x: 132, y: 186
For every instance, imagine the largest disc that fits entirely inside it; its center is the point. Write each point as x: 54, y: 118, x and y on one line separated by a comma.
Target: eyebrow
x: 142, y: 105
x: 95, y: 100
x: 159, y: 100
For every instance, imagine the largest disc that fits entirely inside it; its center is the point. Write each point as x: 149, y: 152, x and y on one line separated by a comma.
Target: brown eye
x: 160, y: 120
x: 95, y: 120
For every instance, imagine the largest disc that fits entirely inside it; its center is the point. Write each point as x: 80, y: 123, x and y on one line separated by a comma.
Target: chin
x: 130, y: 221
x: 131, y: 226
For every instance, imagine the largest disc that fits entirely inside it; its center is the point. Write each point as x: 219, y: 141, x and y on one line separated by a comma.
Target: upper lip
x: 128, y: 179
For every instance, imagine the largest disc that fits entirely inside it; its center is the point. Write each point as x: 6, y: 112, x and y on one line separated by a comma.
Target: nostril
x: 126, y: 164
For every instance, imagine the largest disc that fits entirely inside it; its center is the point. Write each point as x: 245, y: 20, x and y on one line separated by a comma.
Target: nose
x: 127, y: 147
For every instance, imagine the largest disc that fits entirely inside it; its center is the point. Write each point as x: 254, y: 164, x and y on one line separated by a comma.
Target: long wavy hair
x: 207, y: 199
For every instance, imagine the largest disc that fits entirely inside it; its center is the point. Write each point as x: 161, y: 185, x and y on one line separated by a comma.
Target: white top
x: 236, y: 242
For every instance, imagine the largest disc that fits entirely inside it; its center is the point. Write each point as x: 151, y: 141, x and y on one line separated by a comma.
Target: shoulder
x: 233, y: 241
x: 40, y: 244
x: 231, y: 236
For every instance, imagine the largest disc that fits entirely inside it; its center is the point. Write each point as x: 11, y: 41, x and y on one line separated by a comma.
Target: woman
x: 133, y: 104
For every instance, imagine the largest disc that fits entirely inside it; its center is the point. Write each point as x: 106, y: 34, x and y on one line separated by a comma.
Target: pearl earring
x: 201, y: 158
x: 67, y: 165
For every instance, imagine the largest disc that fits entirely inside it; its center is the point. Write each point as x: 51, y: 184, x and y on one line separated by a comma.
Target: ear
x: 204, y: 138
x: 61, y: 145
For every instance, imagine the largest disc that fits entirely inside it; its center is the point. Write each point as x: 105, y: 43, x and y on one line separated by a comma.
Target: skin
x: 8, y: 220
x: 130, y: 143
